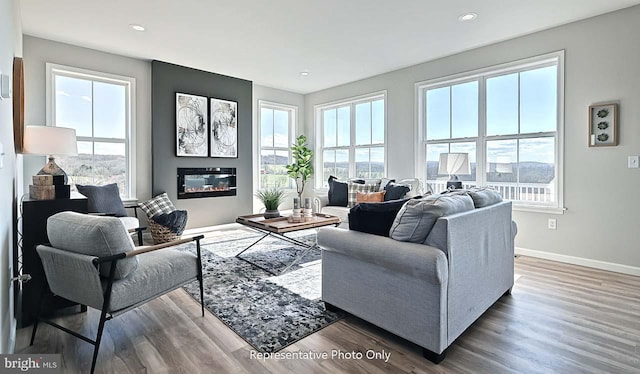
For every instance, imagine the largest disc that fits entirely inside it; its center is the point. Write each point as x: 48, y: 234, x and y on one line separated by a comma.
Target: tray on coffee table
x: 281, y: 225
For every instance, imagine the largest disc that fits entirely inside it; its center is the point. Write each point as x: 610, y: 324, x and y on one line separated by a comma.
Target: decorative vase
x: 271, y: 214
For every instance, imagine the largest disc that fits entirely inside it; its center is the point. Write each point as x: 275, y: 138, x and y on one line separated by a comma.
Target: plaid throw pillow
x: 354, y: 188
x: 158, y: 205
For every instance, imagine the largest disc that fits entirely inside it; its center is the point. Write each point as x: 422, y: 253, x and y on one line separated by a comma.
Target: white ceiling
x: 271, y: 41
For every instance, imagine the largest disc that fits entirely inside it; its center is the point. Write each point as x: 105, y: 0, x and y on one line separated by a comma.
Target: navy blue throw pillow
x: 338, y: 192
x: 374, y: 218
x: 395, y: 191
x: 176, y: 221
x: 103, y: 199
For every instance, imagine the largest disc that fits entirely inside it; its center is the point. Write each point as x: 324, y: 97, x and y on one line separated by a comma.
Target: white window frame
x: 319, y: 133
x: 293, y: 125
x: 53, y: 70
x: 481, y: 75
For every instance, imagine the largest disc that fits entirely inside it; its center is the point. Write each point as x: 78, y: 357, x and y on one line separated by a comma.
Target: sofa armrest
x: 320, y: 201
x: 417, y: 260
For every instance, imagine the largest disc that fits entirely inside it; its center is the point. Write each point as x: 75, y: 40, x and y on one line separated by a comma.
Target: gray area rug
x: 269, y: 312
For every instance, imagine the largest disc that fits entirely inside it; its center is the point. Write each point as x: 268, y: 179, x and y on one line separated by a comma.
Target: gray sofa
x: 321, y: 200
x: 427, y: 293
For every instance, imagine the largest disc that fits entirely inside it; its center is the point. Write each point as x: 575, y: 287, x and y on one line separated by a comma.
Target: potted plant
x: 302, y: 167
x: 271, y: 198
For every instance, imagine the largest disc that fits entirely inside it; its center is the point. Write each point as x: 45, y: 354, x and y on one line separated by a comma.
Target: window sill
x: 130, y: 201
x: 538, y: 209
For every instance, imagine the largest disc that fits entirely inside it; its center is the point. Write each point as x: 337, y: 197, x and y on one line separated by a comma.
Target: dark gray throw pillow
x: 175, y: 221
x: 374, y: 218
x: 338, y: 192
x: 103, y: 199
x: 395, y: 191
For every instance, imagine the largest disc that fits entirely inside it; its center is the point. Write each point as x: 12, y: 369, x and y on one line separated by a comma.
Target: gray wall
x: 273, y: 95
x: 167, y: 80
x: 10, y: 46
x: 602, y: 60
x: 37, y: 52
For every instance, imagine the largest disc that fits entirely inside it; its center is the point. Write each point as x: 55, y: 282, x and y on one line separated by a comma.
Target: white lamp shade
x: 49, y: 140
x: 503, y: 165
x: 454, y: 164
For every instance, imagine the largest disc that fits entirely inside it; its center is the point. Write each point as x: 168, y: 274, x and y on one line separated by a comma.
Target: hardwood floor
x: 560, y: 319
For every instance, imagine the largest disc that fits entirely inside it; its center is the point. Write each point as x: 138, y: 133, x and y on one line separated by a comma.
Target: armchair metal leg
x: 200, y: 276
x: 33, y: 332
x: 103, y: 319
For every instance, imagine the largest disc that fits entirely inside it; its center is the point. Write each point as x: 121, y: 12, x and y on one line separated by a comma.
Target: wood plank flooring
x: 560, y: 319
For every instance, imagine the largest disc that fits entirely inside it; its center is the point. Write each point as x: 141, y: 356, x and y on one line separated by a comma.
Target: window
x: 351, y: 138
x: 276, y: 136
x: 508, y: 119
x: 99, y: 107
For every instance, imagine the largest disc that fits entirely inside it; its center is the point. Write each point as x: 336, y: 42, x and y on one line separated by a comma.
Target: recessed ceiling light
x: 467, y: 17
x: 137, y: 27
x: 304, y: 73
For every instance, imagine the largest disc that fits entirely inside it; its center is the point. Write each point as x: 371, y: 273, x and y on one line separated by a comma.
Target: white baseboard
x: 609, y: 266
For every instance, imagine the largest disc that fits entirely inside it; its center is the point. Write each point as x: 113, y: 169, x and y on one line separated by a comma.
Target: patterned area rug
x: 269, y: 312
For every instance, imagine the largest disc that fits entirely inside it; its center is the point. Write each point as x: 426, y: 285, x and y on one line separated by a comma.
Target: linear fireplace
x: 206, y: 182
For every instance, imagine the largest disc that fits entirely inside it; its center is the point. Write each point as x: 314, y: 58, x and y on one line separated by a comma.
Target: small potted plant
x: 271, y: 198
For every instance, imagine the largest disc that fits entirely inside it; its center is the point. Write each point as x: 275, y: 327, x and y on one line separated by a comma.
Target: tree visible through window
x: 98, y: 108
x: 276, y: 127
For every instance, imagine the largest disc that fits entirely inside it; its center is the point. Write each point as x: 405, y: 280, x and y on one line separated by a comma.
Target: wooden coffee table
x: 278, y: 227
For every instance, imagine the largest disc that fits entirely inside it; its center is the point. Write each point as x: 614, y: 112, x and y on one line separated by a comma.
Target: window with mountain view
x: 98, y: 107
x: 351, y: 139
x: 276, y: 136
x: 507, y: 119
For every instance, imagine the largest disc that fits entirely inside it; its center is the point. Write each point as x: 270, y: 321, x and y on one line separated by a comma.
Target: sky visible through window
x: 98, y: 112
x: 452, y: 112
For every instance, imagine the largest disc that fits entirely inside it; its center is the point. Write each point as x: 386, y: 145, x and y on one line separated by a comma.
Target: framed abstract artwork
x: 191, y: 125
x: 224, y: 128
x: 603, y: 125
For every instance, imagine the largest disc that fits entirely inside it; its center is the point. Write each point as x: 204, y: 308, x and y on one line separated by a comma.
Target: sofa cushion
x: 159, y: 204
x: 103, y: 199
x: 369, y: 197
x: 354, y: 188
x: 415, y: 187
x: 395, y: 191
x: 159, y: 272
x: 338, y: 192
x: 93, y: 236
x: 484, y: 196
x: 374, y: 218
x: 416, y: 218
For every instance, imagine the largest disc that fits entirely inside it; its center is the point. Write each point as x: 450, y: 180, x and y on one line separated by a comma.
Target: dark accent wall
x: 166, y: 80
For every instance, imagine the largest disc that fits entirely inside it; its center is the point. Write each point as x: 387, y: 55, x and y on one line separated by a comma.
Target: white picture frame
x: 192, y: 138
x: 223, y: 128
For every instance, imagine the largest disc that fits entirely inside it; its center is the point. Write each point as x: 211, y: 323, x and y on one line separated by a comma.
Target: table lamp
x: 453, y: 164
x: 50, y: 141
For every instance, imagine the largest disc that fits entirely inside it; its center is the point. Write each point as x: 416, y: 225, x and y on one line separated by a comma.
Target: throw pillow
x: 484, y: 196
x: 374, y: 218
x: 175, y: 221
x: 395, y: 191
x: 354, y: 188
x: 157, y: 205
x: 338, y: 192
x: 371, y: 197
x: 384, y: 182
x: 417, y: 217
x: 103, y: 199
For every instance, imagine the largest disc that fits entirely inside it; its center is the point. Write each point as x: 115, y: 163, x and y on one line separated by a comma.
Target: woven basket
x: 161, y: 234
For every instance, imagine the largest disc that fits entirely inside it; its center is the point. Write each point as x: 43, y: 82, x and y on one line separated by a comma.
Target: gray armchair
x: 91, y: 260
